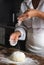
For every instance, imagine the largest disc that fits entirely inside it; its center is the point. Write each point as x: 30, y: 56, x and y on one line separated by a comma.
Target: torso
x: 35, y: 36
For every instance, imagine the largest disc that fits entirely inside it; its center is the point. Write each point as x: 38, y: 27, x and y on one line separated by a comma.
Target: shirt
x: 35, y: 36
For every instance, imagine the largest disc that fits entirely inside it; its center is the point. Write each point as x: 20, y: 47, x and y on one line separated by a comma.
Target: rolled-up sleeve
x: 23, y: 33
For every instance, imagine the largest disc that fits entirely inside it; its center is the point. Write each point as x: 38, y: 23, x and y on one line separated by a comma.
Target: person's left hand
x: 28, y: 14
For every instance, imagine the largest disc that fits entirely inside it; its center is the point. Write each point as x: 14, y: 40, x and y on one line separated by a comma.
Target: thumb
x: 16, y: 38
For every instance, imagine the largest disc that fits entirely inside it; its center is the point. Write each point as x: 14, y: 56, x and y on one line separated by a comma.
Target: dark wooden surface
x: 4, y: 51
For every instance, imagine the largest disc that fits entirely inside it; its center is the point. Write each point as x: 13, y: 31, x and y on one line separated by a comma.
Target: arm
x: 40, y: 14
x: 22, y: 31
x: 31, y: 13
x: 19, y: 34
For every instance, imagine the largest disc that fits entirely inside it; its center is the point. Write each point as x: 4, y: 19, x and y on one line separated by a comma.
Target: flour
x: 28, y: 61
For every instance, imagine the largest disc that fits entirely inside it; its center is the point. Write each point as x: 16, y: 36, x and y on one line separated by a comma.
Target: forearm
x: 40, y: 14
x: 22, y: 33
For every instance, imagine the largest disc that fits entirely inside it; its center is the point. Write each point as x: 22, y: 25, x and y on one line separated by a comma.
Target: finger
x: 21, y: 16
x: 19, y: 23
x: 16, y: 38
x: 11, y: 38
x: 25, y: 13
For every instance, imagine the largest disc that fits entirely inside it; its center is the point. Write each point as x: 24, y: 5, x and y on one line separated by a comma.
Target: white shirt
x: 38, y: 35
x: 37, y: 23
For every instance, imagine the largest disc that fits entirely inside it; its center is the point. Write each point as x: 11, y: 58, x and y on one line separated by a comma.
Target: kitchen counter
x: 4, y: 51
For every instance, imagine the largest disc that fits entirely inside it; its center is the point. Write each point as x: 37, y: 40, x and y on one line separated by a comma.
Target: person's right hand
x: 14, y: 36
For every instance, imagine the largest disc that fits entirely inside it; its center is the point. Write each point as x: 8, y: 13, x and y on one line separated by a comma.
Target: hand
x: 28, y: 14
x: 14, y: 36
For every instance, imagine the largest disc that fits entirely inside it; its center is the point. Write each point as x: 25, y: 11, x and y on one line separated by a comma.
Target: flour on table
x: 28, y: 61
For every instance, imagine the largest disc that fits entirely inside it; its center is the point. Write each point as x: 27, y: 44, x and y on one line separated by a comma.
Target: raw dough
x: 18, y: 56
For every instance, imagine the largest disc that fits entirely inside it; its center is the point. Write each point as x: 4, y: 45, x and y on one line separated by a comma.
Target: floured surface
x: 28, y: 61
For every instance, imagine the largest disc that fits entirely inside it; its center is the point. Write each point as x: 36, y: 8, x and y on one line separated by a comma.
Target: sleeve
x: 23, y: 32
x: 23, y: 8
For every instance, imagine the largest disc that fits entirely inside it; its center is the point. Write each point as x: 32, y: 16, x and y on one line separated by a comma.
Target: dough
x: 18, y: 56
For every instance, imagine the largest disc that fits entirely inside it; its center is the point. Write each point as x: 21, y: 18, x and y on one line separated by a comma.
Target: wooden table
x: 8, y: 51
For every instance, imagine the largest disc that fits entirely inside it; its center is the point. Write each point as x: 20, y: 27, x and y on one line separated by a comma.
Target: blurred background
x: 8, y: 19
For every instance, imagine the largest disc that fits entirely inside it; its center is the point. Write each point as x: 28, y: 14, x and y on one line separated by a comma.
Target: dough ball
x: 18, y: 56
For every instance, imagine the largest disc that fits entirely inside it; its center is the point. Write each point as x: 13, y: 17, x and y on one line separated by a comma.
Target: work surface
x: 6, y: 52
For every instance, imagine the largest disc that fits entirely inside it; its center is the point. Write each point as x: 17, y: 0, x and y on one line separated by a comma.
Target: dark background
x: 7, y: 8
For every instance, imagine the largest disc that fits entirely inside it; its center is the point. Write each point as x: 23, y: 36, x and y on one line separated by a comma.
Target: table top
x: 7, y: 51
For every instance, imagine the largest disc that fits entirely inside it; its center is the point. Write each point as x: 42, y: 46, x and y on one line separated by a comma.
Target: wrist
x: 18, y: 33
x: 38, y: 13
